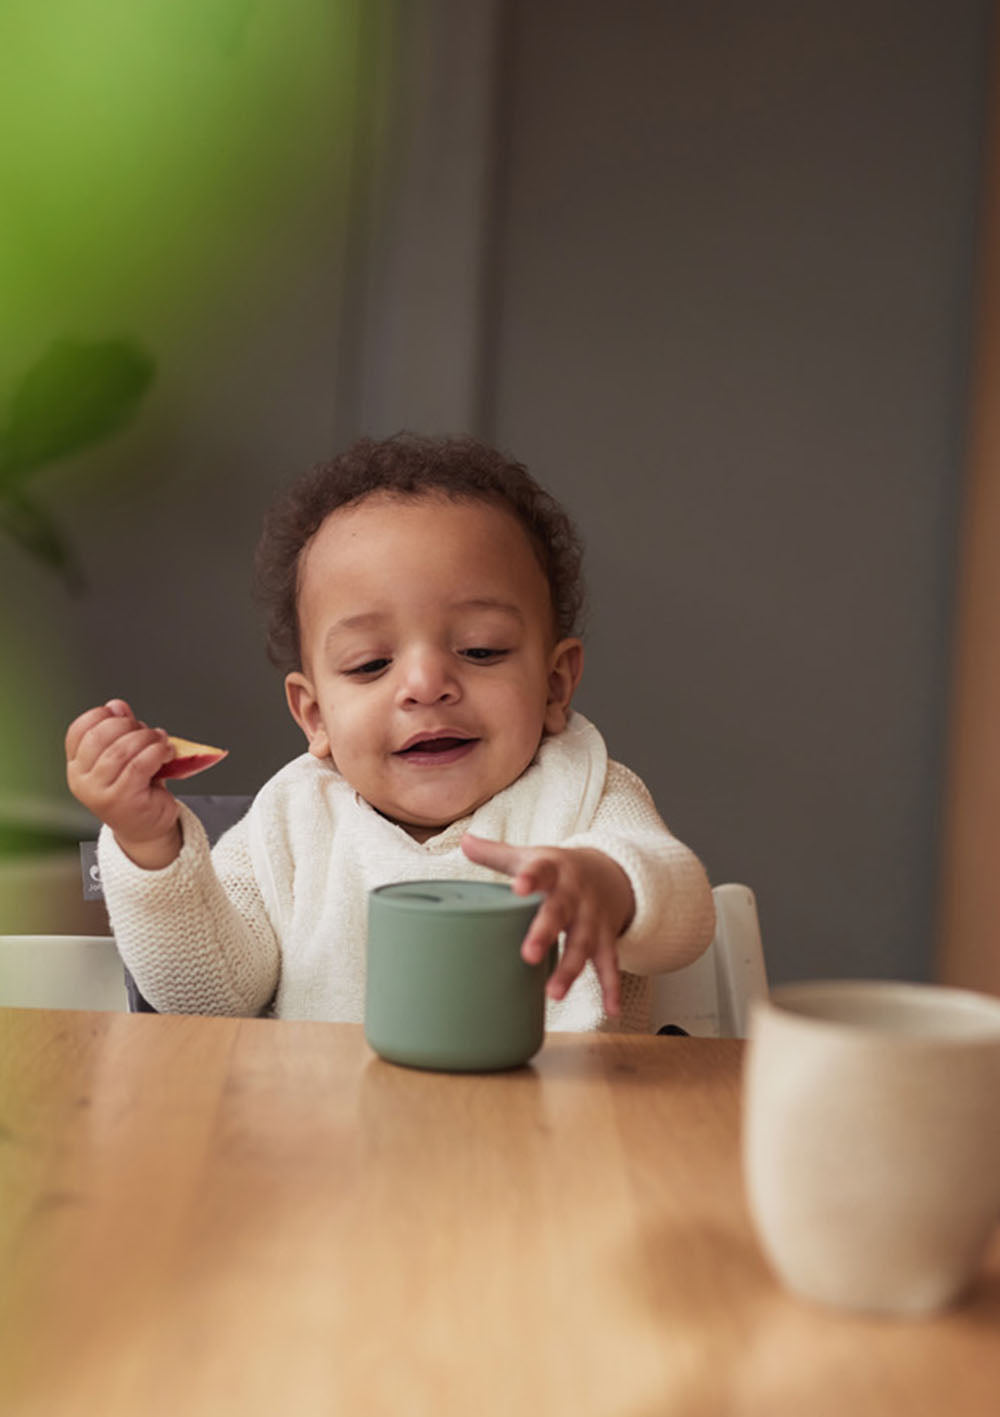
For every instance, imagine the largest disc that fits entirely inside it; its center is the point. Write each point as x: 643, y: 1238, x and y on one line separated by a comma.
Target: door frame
x: 968, y: 933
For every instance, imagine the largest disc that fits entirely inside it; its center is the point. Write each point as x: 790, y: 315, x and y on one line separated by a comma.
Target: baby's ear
x: 565, y: 669
x: 304, y: 707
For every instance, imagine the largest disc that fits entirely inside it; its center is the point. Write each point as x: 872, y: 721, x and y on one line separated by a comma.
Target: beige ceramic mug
x: 871, y: 1140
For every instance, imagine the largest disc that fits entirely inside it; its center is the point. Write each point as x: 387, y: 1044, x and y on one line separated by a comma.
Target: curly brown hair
x: 406, y: 465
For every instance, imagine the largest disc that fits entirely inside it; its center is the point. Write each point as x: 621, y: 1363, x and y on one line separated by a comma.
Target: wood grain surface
x: 201, y: 1217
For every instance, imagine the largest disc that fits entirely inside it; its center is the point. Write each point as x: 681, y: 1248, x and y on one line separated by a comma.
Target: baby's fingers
x: 497, y: 855
x: 589, y: 938
x: 81, y: 726
x: 96, y: 741
x: 550, y: 920
x: 606, y: 965
x: 538, y: 873
x: 574, y: 957
x: 141, y: 768
x: 116, y: 765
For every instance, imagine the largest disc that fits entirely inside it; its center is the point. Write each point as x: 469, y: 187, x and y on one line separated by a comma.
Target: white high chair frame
x: 62, y: 972
x: 707, y: 999
x: 711, y: 998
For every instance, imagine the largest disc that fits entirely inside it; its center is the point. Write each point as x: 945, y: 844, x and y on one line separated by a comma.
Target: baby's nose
x: 428, y: 678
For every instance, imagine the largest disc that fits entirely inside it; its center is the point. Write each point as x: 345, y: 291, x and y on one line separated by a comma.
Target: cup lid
x: 454, y: 897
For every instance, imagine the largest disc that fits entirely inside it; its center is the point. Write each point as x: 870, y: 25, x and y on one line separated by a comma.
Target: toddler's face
x: 430, y: 668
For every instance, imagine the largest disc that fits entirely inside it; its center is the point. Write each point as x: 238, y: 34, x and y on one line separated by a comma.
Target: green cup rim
x: 407, y: 897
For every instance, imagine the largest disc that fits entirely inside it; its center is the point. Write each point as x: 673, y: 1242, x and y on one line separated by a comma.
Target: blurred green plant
x: 159, y: 160
x: 76, y: 395
x: 175, y: 181
x: 158, y: 163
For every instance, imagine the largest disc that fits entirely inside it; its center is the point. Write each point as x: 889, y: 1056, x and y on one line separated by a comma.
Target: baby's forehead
x: 426, y: 523
x: 469, y: 542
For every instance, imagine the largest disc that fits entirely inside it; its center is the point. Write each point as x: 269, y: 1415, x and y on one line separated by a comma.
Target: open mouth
x: 444, y: 749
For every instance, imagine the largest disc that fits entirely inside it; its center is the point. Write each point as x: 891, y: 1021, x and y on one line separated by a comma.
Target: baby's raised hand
x: 111, y: 757
x: 586, y: 894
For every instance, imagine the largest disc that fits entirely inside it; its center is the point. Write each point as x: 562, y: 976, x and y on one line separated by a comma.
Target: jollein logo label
x: 90, y: 871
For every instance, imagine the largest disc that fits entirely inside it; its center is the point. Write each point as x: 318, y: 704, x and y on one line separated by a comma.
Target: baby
x: 423, y: 597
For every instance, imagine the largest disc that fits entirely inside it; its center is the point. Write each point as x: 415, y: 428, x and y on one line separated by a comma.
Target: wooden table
x: 202, y: 1217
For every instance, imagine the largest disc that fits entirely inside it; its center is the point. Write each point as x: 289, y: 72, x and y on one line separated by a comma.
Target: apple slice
x: 190, y: 758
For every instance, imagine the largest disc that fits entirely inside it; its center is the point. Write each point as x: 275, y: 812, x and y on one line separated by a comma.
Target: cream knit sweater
x: 274, y: 919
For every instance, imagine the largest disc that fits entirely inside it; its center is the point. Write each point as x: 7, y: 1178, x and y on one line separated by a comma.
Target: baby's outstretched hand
x: 587, y: 894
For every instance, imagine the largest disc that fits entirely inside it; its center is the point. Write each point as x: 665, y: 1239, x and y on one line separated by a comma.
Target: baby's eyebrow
x: 489, y: 603
x: 368, y: 620
x: 357, y: 622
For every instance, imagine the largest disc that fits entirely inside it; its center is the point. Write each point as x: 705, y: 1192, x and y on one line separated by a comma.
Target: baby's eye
x: 479, y: 654
x: 369, y: 669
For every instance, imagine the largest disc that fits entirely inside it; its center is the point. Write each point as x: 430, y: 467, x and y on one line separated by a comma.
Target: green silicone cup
x: 446, y: 986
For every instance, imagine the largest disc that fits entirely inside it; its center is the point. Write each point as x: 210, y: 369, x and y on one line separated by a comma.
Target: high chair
x: 711, y: 998
x: 61, y: 972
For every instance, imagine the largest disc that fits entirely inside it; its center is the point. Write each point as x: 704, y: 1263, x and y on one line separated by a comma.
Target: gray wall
x: 732, y: 311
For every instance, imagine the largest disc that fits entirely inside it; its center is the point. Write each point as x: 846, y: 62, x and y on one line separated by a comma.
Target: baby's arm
x: 196, y: 935
x: 674, y: 916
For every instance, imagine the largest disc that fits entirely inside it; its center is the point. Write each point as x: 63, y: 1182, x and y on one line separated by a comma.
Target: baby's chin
x: 423, y: 828
x: 420, y: 831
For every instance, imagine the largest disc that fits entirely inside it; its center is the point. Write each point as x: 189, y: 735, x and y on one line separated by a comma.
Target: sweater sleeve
x: 674, y: 916
x: 196, y: 935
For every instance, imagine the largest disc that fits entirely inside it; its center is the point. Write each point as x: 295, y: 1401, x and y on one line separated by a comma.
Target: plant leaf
x: 77, y: 394
x: 34, y: 530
